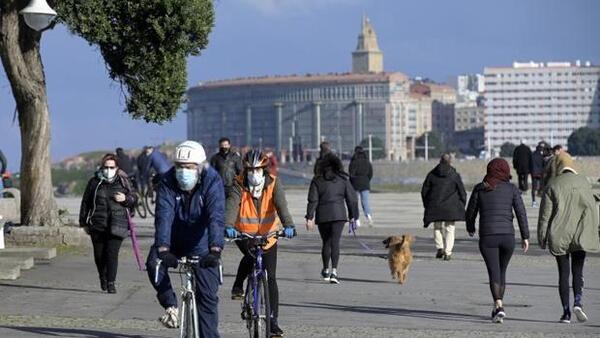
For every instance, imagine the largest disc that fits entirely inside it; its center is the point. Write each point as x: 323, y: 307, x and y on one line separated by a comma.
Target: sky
x: 436, y: 39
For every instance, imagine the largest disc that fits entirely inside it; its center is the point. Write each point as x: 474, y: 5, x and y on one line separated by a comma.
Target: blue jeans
x: 207, y: 288
x: 364, y: 200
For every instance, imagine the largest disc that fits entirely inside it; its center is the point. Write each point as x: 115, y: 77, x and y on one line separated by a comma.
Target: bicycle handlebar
x: 245, y: 235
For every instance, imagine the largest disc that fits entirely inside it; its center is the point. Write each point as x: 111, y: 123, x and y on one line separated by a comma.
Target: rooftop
x: 542, y: 65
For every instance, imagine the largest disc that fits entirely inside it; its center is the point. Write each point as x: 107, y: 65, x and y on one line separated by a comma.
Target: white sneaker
x: 357, y: 223
x: 581, y: 316
x: 170, y: 319
x: 370, y: 219
x: 534, y: 204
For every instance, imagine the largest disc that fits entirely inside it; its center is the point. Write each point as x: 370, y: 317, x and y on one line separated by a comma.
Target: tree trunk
x: 20, y: 53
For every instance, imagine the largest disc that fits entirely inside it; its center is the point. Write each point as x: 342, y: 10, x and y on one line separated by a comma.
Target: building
x: 468, y: 114
x: 540, y: 101
x: 470, y: 85
x: 442, y: 99
x: 294, y: 113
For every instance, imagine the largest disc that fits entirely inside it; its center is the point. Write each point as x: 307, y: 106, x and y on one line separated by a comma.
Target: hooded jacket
x: 361, y: 172
x: 443, y: 195
x: 190, y: 223
x: 329, y: 196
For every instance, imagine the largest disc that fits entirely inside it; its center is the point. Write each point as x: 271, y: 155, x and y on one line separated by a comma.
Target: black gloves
x: 211, y: 260
x: 168, y: 259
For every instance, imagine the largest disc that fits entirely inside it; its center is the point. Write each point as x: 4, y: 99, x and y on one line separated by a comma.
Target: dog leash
x: 352, y: 230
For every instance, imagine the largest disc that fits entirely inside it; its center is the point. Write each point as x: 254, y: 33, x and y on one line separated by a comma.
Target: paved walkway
x: 440, y: 299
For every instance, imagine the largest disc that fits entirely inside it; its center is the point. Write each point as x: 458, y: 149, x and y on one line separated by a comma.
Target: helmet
x: 190, y: 152
x: 255, y: 159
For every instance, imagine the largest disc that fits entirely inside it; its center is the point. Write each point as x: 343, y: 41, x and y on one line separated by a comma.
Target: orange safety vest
x: 251, y: 222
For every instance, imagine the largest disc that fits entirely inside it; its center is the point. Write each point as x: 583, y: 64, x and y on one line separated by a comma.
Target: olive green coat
x: 568, y: 219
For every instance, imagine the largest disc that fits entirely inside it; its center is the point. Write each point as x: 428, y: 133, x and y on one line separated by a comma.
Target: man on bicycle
x: 189, y: 222
x: 157, y: 161
x: 255, y: 201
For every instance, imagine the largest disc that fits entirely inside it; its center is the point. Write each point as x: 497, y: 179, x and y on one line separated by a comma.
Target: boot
x: 110, y: 287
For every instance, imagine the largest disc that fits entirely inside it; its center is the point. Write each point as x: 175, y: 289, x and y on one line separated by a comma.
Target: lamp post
x: 38, y: 14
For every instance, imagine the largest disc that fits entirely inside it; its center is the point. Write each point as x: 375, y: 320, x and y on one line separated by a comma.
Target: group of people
x: 568, y: 223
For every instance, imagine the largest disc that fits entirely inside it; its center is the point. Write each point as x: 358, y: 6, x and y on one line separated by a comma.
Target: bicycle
x: 188, y: 313
x: 256, y: 309
x: 140, y: 207
x: 150, y: 195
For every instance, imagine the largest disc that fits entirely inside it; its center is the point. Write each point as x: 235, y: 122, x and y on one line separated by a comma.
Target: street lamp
x: 38, y: 14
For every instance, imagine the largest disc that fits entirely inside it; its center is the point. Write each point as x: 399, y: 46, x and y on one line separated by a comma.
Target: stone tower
x: 367, y: 58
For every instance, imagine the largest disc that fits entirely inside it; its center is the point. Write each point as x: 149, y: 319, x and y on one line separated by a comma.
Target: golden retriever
x: 399, y: 256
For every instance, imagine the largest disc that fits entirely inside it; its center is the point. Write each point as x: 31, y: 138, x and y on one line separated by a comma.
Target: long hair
x: 330, y: 166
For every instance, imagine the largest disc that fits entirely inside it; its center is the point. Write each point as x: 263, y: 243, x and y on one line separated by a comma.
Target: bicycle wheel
x: 140, y: 206
x: 188, y: 319
x: 150, y: 200
x: 261, y: 319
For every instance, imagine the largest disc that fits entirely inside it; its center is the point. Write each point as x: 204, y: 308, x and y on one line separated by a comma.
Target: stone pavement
x: 440, y: 299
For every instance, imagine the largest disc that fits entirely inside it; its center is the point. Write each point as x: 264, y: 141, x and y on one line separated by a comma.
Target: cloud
x: 277, y: 7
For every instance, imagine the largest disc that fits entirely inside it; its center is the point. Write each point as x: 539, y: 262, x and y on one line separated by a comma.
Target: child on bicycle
x: 255, y: 201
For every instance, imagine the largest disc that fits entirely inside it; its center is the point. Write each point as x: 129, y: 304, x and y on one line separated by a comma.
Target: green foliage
x: 507, y: 149
x: 436, y: 147
x: 585, y: 142
x: 378, y: 147
x: 144, y: 44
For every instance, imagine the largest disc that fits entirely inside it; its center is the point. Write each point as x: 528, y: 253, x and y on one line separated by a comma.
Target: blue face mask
x: 187, y: 178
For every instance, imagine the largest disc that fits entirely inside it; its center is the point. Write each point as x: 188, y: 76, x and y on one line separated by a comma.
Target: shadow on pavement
x: 80, y: 333
x: 38, y: 287
x: 545, y: 286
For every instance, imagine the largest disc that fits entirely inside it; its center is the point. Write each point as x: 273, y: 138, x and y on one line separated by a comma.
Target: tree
x: 507, y: 149
x: 585, y: 142
x: 434, y: 142
x: 378, y: 147
x: 144, y: 44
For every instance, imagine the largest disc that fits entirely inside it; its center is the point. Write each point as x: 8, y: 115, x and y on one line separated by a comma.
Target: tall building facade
x: 293, y: 114
x: 540, y: 101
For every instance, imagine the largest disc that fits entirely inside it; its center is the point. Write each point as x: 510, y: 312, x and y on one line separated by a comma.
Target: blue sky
x: 435, y: 39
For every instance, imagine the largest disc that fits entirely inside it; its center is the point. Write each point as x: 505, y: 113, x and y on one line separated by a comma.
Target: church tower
x: 367, y: 58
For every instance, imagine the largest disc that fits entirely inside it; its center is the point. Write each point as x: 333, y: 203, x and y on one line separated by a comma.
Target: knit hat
x: 564, y: 160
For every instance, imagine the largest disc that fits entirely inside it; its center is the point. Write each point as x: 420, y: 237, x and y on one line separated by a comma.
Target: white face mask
x: 109, y: 174
x: 256, y: 178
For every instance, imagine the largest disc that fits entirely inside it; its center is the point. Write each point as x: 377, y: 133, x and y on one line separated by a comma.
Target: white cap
x: 190, y: 152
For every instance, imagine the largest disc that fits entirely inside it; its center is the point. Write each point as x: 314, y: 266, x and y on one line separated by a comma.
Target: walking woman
x: 361, y: 173
x: 103, y: 215
x: 568, y: 224
x: 495, y: 199
x: 329, y: 195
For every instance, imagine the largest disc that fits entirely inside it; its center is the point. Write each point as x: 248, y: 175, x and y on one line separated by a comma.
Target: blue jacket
x: 159, y: 162
x: 190, y: 224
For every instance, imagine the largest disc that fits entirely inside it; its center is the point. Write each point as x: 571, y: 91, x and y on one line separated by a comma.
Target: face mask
x: 187, y: 178
x: 109, y: 174
x: 255, y: 179
x: 224, y: 150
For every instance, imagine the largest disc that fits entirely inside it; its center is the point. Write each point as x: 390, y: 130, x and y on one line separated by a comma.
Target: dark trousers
x: 207, y: 289
x: 575, y: 264
x: 331, y: 233
x: 536, y: 186
x: 269, y: 262
x: 106, y: 254
x: 523, y: 184
x: 497, y: 251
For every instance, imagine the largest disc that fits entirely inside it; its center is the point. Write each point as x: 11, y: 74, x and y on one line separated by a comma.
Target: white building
x: 540, y: 101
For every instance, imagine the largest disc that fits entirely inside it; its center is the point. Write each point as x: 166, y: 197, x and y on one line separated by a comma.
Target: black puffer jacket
x: 495, y: 208
x: 361, y: 172
x: 229, y: 166
x: 329, y: 196
x: 443, y: 195
x: 537, y: 164
x: 100, y: 212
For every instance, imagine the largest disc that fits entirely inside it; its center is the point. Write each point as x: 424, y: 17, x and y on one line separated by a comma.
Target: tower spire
x: 367, y: 58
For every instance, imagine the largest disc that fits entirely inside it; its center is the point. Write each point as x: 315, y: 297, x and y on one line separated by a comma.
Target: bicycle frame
x: 188, y: 297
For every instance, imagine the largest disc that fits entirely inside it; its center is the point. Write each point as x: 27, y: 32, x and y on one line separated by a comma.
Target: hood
x: 443, y: 170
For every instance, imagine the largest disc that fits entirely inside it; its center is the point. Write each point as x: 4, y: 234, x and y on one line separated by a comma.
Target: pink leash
x: 134, y: 242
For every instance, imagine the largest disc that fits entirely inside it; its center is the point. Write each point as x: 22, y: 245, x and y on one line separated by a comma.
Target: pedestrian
x: 107, y: 199
x: 444, y: 198
x: 227, y: 163
x: 537, y: 172
x: 550, y: 171
x: 324, y: 149
x: 331, y: 203
x: 125, y: 163
x: 189, y: 222
x: 256, y: 198
x: 142, y: 176
x: 361, y: 173
x: 273, y: 162
x: 522, y: 164
x: 494, y: 200
x: 568, y: 225
x: 3, y: 169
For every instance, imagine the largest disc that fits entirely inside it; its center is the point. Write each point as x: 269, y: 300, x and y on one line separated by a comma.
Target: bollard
x: 1, y: 233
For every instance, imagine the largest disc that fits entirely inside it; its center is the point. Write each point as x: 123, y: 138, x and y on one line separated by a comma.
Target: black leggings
x: 106, y: 254
x: 269, y: 263
x: 576, y: 266
x: 497, y: 251
x: 331, y: 232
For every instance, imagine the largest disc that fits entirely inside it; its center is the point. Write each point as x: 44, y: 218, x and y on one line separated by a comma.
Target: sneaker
x: 581, y: 316
x: 325, y: 274
x: 333, y: 278
x: 170, y: 319
x: 110, y: 287
x: 498, y: 315
x: 276, y: 331
x: 447, y: 257
x: 370, y: 220
x: 566, y: 318
x: 534, y: 204
x: 439, y: 254
x: 357, y: 223
x: 103, y: 284
x: 237, y: 293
